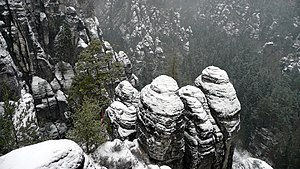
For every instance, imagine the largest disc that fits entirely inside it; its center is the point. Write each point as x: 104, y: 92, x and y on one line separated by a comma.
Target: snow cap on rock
x: 48, y: 154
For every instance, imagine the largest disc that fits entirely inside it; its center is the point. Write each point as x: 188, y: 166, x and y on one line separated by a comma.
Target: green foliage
x: 88, y: 131
x: 64, y: 45
x: 95, y: 76
x: 89, y: 95
x: 8, y: 138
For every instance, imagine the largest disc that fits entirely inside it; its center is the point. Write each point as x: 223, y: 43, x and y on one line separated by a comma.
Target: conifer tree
x: 8, y: 136
x: 88, y: 130
x: 63, y: 45
x: 89, y: 95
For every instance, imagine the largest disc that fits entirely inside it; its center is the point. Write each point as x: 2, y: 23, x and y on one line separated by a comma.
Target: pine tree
x: 88, y: 130
x: 8, y: 136
x: 96, y: 76
x: 63, y: 45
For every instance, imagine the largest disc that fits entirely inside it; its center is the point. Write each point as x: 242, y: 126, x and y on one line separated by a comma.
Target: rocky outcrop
x: 124, y: 60
x: 221, y: 97
x: 9, y: 74
x: 224, y: 105
x: 123, y: 111
x: 118, y: 154
x: 25, y: 119
x: 49, y: 154
x: 127, y: 94
x: 51, y: 107
x: 63, y: 77
x: 160, y: 122
x: 203, y: 139
x: 123, y: 120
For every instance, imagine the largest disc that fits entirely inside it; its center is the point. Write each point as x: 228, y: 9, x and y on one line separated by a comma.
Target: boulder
x: 160, y: 122
x: 64, y: 154
x: 40, y: 88
x: 203, y: 139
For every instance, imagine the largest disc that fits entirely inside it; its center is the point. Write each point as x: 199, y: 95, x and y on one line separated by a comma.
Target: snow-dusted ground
x: 123, y: 154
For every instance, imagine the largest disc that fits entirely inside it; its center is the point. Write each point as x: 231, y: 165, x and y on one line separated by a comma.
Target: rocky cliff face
x: 40, y: 44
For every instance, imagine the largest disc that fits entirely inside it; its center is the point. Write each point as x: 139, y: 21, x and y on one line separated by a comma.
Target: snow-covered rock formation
x: 221, y: 97
x: 203, y: 138
x: 160, y: 122
x: 224, y: 105
x: 51, y: 154
x: 25, y: 120
x: 123, y: 154
x: 123, y: 111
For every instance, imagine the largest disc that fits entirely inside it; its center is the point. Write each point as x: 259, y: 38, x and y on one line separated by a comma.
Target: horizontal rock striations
x: 224, y: 105
x: 160, y: 122
x: 221, y: 97
x: 203, y: 139
x: 123, y: 111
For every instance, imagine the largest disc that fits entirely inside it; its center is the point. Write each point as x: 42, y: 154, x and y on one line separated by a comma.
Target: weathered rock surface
x: 51, y: 107
x: 9, y: 73
x: 127, y: 94
x: 25, y: 118
x: 160, y: 122
x: 41, y: 88
x: 224, y: 105
x: 118, y: 154
x: 64, y: 74
x: 203, y: 139
x: 123, y: 111
x: 221, y: 97
x: 123, y: 119
x: 52, y: 154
